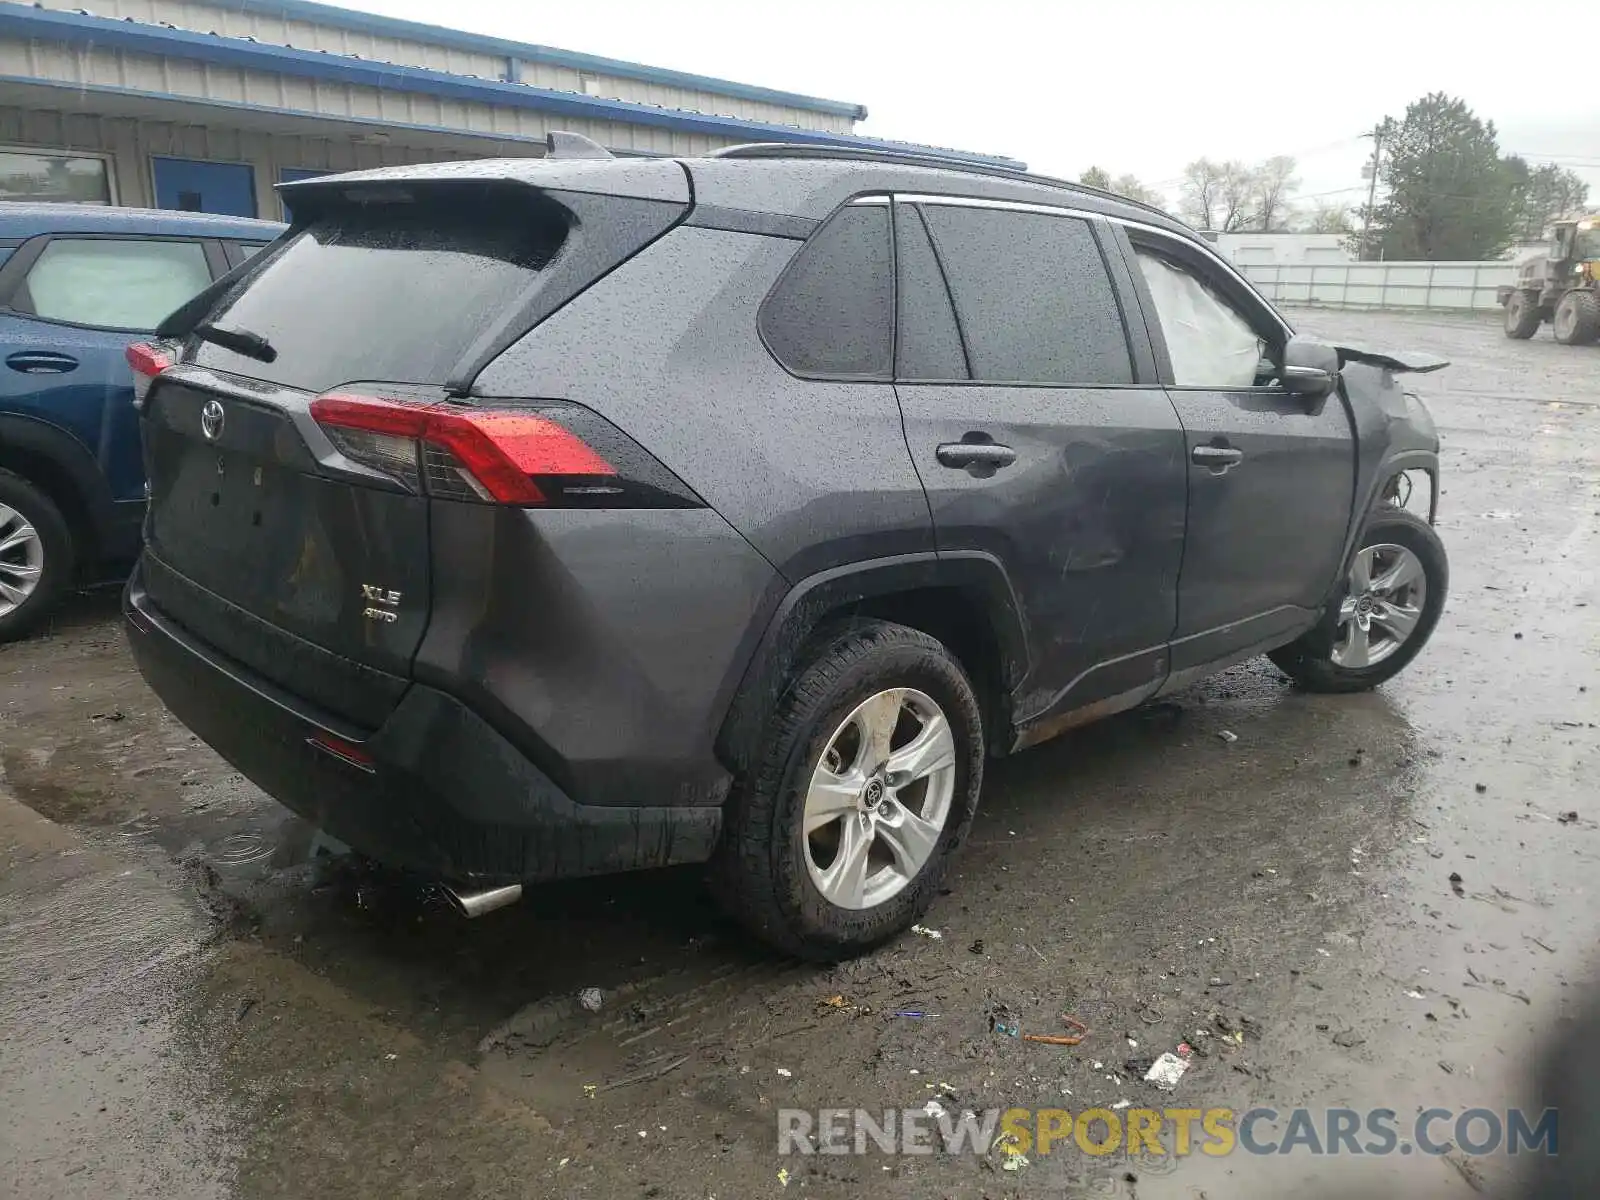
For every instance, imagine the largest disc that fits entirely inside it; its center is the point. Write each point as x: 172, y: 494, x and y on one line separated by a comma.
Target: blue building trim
x: 23, y: 21
x: 343, y: 18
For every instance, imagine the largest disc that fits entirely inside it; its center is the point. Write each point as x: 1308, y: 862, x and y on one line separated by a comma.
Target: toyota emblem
x: 212, y: 419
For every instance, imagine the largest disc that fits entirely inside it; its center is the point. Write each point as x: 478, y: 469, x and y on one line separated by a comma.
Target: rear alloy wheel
x: 1393, y: 595
x: 879, y: 798
x: 1577, y: 320
x: 35, y: 556
x: 868, y: 781
x: 1522, y: 315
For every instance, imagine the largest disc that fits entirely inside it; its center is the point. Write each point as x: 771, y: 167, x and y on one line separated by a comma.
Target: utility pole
x: 1372, y: 187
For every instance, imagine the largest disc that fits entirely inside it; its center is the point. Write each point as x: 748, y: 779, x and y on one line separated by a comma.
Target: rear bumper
x: 445, y: 795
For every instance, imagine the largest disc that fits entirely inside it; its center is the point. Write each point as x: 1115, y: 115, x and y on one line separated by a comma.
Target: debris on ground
x: 783, y: 1176
x: 1058, y: 1039
x: 591, y: 999
x: 1455, y: 883
x: 1480, y: 788
x: 1009, y: 1028
x: 1349, y: 1039
x: 1120, y: 1105
x: 924, y: 931
x: 977, y: 946
x: 836, y: 1001
x: 1228, y: 736
x: 915, y: 1014
x: 785, y: 1072
x: 1169, y: 1068
x: 1568, y: 818
x: 1014, y: 1162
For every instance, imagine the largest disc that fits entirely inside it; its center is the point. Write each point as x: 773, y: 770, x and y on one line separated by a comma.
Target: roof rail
x: 908, y: 158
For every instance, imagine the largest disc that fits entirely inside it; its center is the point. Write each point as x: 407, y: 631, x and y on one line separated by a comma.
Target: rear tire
x: 1577, y: 320
x: 1522, y: 315
x: 1357, y: 646
x: 36, y: 556
x: 795, y: 889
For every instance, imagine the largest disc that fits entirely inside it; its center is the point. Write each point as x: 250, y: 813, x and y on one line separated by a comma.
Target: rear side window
x: 395, y: 292
x: 114, y: 283
x: 1032, y: 295
x: 832, y: 311
x: 929, y: 341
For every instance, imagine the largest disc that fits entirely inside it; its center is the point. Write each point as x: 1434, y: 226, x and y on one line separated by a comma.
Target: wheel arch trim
x: 810, y: 602
x: 40, y: 439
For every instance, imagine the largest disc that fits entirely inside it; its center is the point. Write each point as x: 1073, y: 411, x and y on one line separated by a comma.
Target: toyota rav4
x: 522, y: 519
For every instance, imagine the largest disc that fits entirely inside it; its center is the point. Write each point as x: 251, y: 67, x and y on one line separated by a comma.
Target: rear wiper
x: 240, y: 341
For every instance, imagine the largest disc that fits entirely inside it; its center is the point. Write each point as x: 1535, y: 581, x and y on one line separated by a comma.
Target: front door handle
x: 975, y: 454
x: 1218, y: 458
x: 41, y: 362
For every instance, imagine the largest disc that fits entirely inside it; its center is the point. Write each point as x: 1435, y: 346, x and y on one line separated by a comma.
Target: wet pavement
x: 195, y: 1003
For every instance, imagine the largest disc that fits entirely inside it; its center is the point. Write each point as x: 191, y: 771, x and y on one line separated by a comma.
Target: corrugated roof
x: 19, y: 20
x: 344, y: 18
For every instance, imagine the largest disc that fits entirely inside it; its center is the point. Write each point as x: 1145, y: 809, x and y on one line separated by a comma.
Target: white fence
x: 1464, y: 286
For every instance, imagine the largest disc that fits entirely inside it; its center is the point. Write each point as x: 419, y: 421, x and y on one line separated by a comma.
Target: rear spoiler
x: 1414, y: 361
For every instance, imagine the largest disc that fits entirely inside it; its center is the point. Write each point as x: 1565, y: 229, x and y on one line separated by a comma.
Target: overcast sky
x: 1137, y: 85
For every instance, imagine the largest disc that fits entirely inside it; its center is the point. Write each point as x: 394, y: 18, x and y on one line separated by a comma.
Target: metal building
x: 206, y: 104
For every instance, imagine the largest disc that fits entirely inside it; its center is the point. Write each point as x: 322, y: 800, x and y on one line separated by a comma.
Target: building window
x: 40, y: 175
x: 590, y: 84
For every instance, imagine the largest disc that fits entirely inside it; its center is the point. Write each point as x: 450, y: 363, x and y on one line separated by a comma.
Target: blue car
x: 77, y: 284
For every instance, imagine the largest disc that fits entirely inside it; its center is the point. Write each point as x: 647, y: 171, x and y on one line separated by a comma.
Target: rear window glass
x: 832, y: 313
x: 394, y: 292
x: 1032, y: 296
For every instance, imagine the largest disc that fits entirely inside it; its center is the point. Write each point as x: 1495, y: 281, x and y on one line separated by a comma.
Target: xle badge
x: 381, y: 603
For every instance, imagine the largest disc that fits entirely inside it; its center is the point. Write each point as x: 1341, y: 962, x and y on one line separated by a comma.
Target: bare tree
x: 1328, y: 217
x: 1274, y: 182
x: 1123, y: 185
x: 1131, y: 187
x: 1201, y: 193
x: 1236, y: 197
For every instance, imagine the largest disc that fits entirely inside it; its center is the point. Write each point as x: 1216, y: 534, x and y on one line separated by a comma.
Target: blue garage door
x: 210, y: 187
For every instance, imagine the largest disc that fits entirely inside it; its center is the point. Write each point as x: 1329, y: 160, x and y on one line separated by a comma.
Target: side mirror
x: 1310, y: 368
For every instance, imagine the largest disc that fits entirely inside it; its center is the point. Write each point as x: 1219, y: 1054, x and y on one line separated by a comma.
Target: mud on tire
x: 760, y: 871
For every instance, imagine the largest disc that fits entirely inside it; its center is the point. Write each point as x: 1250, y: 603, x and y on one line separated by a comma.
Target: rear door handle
x: 975, y: 454
x: 41, y: 362
x: 1218, y: 458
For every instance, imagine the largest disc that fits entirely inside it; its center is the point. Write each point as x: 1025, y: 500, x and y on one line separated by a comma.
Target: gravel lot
x: 188, y: 1007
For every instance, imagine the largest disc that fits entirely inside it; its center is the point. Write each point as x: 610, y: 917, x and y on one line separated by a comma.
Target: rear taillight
x: 546, y: 454
x: 148, y: 360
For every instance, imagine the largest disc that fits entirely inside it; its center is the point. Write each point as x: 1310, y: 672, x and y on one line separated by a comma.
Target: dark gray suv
x: 514, y: 520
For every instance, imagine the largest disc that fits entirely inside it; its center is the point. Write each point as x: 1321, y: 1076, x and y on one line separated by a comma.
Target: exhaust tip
x: 475, y: 904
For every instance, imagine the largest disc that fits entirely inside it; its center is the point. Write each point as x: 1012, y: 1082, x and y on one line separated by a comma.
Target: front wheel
x: 1391, y: 600
x: 867, y: 783
x: 1522, y: 315
x: 36, y: 556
